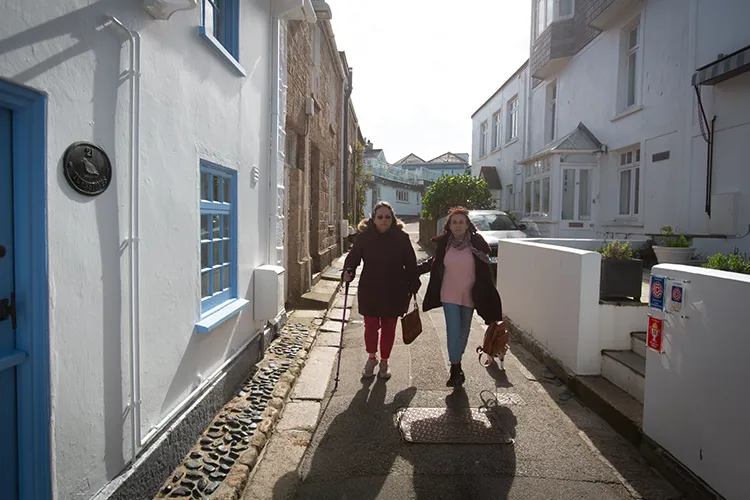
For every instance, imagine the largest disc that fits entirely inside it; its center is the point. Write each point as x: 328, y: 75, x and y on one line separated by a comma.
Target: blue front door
x: 10, y: 358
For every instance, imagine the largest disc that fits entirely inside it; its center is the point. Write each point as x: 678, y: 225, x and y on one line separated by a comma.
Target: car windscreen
x: 497, y: 222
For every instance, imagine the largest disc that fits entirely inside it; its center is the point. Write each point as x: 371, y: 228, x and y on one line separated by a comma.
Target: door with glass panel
x: 577, y: 202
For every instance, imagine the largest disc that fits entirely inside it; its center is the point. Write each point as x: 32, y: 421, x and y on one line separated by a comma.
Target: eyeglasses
x: 381, y: 217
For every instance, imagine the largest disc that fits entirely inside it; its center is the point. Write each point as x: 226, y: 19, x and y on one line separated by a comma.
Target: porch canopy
x: 578, y: 142
x: 490, y: 175
x: 724, y: 68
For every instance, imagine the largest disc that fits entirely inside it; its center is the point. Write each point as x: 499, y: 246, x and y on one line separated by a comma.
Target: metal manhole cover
x: 509, y: 399
x: 451, y: 425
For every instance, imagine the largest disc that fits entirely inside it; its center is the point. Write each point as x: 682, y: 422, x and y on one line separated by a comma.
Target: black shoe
x: 460, y: 377
x: 453, y: 379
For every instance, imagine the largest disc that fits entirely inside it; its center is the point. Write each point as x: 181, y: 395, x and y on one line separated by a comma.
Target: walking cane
x: 341, y: 339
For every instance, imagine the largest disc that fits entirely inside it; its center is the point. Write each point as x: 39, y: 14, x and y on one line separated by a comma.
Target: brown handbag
x: 495, y: 343
x: 411, y: 324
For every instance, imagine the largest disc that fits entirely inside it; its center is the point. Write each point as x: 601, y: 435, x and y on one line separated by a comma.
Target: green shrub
x: 616, y: 250
x: 451, y: 191
x: 734, y: 262
x: 674, y: 240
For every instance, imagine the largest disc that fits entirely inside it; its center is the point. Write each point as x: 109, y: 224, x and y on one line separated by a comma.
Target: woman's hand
x: 347, y: 276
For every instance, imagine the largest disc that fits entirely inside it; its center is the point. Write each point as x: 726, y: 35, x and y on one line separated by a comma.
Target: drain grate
x: 451, y: 426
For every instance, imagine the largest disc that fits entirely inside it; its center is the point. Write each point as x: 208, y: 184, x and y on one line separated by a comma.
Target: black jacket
x: 484, y: 293
x: 389, y: 278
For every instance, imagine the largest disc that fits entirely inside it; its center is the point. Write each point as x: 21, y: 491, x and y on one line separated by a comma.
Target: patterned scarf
x: 460, y: 244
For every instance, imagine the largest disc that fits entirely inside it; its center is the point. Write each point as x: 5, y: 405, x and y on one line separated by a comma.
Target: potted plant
x: 621, y: 274
x: 676, y: 248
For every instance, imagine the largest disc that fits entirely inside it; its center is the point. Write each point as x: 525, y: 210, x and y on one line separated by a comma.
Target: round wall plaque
x: 87, y: 168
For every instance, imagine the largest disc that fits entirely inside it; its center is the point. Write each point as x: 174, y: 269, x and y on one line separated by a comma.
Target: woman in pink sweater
x: 461, y: 281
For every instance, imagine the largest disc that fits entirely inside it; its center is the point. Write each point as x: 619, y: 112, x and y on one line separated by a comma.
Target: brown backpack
x: 495, y: 344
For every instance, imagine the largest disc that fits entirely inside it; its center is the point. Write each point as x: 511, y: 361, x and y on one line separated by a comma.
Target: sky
x: 422, y: 67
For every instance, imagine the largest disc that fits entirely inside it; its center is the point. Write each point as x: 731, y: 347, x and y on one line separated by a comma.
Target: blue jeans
x: 457, y: 324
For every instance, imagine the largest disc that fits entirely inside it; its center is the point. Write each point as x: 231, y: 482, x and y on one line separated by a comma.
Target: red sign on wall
x: 654, y: 334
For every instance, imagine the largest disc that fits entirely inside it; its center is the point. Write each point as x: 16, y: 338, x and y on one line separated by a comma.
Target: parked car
x: 493, y: 225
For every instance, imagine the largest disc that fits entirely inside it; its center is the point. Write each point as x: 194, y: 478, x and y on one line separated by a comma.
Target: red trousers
x: 387, y: 328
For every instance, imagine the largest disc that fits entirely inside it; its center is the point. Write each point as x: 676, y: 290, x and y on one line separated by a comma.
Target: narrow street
x: 560, y: 449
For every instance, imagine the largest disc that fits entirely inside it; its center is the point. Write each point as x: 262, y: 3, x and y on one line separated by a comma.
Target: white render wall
x: 565, y: 282
x: 510, y: 153
x: 677, y: 38
x: 587, y: 92
x: 696, y: 405
x: 720, y: 27
x: 193, y: 106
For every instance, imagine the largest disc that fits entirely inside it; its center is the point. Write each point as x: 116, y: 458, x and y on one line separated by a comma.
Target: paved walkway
x: 561, y: 450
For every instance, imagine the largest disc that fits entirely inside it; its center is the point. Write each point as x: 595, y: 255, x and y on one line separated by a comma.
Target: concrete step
x: 316, y: 277
x: 621, y: 410
x: 638, y: 343
x: 331, y: 273
x: 320, y: 296
x: 627, y: 370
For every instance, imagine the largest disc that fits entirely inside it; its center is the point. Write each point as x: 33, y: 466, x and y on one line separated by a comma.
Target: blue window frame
x: 220, y: 27
x: 218, y: 225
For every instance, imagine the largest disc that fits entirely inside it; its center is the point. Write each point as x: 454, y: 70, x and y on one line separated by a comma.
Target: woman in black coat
x: 389, y: 280
x: 460, y: 281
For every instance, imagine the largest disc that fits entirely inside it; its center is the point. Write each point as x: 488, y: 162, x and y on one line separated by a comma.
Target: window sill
x: 512, y: 141
x: 627, y: 112
x: 622, y: 223
x: 538, y: 219
x: 221, y: 50
x: 220, y: 314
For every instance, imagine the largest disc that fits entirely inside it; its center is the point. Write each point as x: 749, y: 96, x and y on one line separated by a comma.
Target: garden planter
x: 673, y: 255
x: 621, y: 278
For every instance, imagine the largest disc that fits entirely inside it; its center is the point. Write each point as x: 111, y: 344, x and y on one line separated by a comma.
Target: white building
x: 497, y: 140
x: 404, y: 197
x: 431, y: 170
x: 132, y: 278
x: 614, y: 143
x: 400, y: 187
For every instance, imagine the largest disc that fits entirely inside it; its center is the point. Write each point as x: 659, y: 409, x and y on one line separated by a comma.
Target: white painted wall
x: 581, y: 244
x: 193, y: 106
x: 510, y: 153
x: 720, y: 28
x: 696, y: 403
x: 550, y: 288
x: 617, y: 322
x: 676, y: 38
x: 587, y: 92
x: 552, y: 293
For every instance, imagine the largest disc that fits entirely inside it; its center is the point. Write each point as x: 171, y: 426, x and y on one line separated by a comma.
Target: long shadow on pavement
x: 474, y: 473
x: 352, y: 458
x: 642, y: 479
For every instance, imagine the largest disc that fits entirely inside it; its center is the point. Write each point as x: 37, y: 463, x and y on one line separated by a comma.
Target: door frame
x: 593, y: 185
x: 29, y: 110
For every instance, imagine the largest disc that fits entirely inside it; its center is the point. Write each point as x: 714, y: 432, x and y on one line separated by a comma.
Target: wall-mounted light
x: 162, y: 9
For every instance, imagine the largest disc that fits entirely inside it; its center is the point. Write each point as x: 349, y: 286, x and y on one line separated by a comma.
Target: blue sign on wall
x: 676, y: 297
x: 657, y: 293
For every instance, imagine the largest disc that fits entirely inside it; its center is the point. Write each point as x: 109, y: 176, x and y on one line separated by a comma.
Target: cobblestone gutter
x: 219, y: 464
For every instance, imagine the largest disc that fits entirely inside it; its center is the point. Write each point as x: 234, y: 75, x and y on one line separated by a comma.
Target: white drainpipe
x: 133, y: 240
x: 273, y: 156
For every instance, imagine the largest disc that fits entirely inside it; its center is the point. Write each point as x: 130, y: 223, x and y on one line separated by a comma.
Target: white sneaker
x: 383, y: 371
x: 369, y: 369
